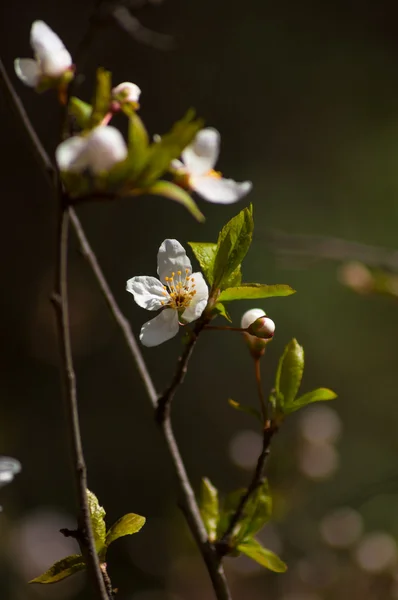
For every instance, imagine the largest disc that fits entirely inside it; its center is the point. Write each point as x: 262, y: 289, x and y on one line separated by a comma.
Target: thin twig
x: 60, y: 302
x: 223, y: 546
x: 260, y: 392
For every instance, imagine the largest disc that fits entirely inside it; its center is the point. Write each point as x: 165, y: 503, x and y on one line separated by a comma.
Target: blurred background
x: 305, y: 95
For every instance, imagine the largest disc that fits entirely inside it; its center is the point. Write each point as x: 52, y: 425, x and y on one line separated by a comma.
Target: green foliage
x: 81, y: 111
x: 174, y: 192
x: 266, y: 558
x: 209, y: 508
x: 126, y: 525
x: 254, y: 291
x: 102, y: 97
x: 287, y: 383
x: 232, y: 246
x: 205, y: 253
x: 250, y: 410
x: 62, y: 569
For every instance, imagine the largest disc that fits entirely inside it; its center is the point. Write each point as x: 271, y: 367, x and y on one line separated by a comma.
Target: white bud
x: 263, y: 328
x: 260, y: 330
x: 250, y: 316
x: 129, y: 92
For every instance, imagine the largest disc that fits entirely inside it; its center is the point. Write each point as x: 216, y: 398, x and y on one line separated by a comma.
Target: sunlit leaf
x: 254, y: 550
x: 102, y: 97
x: 232, y: 245
x: 97, y: 517
x: 174, y: 192
x: 81, y: 111
x: 289, y: 373
x: 205, y: 253
x: 318, y: 395
x: 209, y: 508
x: 252, y: 291
x: 220, y: 310
x: 257, y: 511
x: 61, y: 569
x: 250, y: 410
x: 126, y: 525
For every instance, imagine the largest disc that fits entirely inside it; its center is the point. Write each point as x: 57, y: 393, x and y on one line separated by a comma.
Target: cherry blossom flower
x: 51, y: 60
x: 181, y: 294
x: 197, y: 172
x: 99, y: 151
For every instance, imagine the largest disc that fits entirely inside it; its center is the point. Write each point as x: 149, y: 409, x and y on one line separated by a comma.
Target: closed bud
x: 260, y: 330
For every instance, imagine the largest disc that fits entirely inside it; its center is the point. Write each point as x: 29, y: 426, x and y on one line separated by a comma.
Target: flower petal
x: 220, y: 190
x: 71, y: 155
x: 201, y: 156
x: 250, y: 316
x: 43, y: 39
x: 148, y: 292
x: 54, y: 64
x: 105, y: 147
x: 160, y: 329
x: 131, y: 92
x: 172, y: 258
x: 199, y: 301
x: 27, y: 70
x: 8, y: 468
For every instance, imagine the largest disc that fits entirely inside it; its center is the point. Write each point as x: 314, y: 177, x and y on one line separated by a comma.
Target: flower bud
x: 126, y: 92
x: 260, y: 330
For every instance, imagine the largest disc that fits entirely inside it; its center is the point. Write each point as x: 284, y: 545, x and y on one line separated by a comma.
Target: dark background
x: 305, y: 95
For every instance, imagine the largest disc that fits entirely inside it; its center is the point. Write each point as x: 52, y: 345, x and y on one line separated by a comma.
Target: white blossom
x: 99, y: 151
x: 198, y: 162
x: 51, y: 57
x: 130, y: 92
x: 9, y: 467
x: 181, y: 294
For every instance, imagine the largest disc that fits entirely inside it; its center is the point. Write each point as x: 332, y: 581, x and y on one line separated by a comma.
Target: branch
x: 317, y: 247
x: 60, y: 302
x: 223, y: 546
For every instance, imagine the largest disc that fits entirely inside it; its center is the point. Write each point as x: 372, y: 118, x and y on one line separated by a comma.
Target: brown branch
x: 60, y: 302
x: 224, y: 545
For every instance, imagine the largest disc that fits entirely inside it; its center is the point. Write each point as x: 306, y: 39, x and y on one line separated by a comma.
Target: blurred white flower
x: 179, y: 292
x: 9, y: 467
x: 198, y: 162
x: 127, y: 92
x: 99, y: 151
x: 51, y: 57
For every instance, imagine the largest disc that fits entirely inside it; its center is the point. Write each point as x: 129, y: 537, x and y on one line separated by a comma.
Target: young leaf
x: 250, y: 410
x: 257, y: 512
x: 205, y: 254
x: 229, y: 507
x: 138, y: 146
x: 209, y: 508
x: 253, y: 549
x: 127, y: 525
x: 233, y: 243
x: 289, y: 373
x: 81, y: 111
x: 169, y: 147
x: 102, y: 98
x: 174, y: 192
x: 318, y: 395
x: 252, y: 291
x: 61, y: 569
x: 235, y: 279
x: 221, y: 311
x: 97, y: 514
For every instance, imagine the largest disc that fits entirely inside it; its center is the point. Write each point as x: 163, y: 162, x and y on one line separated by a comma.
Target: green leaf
x: 205, y: 253
x: 174, y: 192
x: 102, y: 98
x: 97, y: 514
x: 318, y: 395
x: 289, y: 373
x: 209, y: 508
x: 61, y: 569
x: 127, y: 525
x: 250, y: 410
x: 257, y: 513
x: 233, y: 243
x: 138, y: 147
x: 221, y: 311
x: 253, y: 549
x: 169, y: 147
x: 229, y: 507
x: 81, y: 111
x: 252, y: 291
x: 235, y: 279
